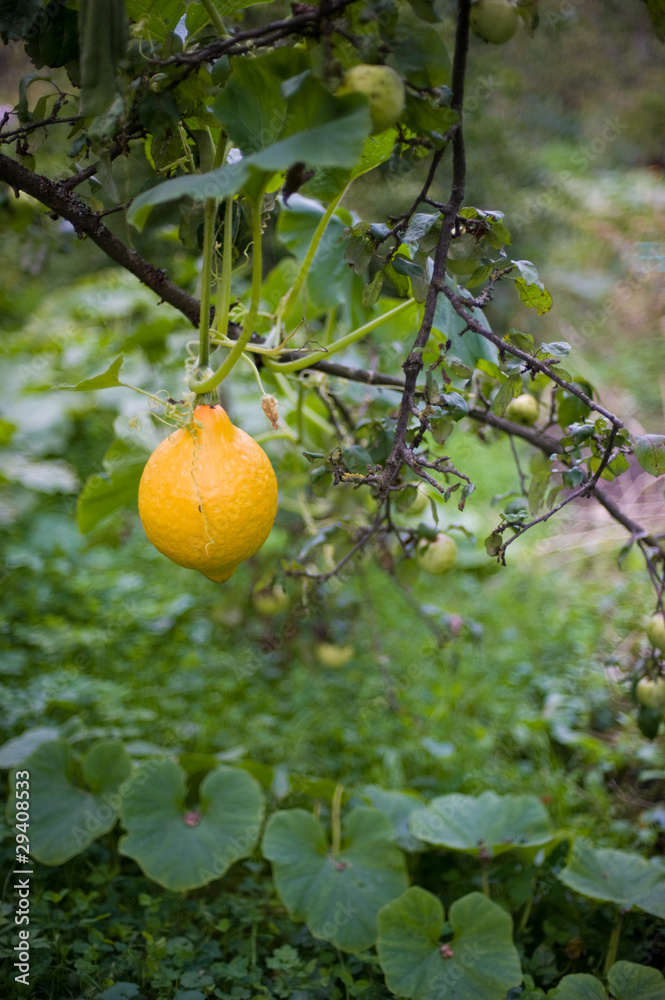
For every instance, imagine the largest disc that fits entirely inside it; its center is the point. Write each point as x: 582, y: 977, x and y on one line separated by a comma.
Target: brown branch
x: 414, y: 363
x: 87, y: 223
x: 26, y: 129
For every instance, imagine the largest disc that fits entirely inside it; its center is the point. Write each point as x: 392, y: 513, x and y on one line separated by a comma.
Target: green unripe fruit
x: 333, y: 656
x: 270, y: 602
x: 523, y: 409
x: 420, y: 501
x: 384, y: 90
x: 494, y: 21
x: 437, y: 557
x: 656, y: 632
x: 651, y: 693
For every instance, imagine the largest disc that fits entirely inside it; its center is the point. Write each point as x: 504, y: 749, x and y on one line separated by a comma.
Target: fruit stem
x: 613, y: 946
x: 350, y: 338
x: 206, y: 268
x: 335, y: 819
x: 288, y: 302
x: 252, y: 313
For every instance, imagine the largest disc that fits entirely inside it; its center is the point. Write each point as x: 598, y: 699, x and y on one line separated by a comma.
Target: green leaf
x: 629, y: 981
x: 64, y: 818
x: 15, y: 751
x: 487, y: 823
x: 397, y: 806
x: 650, y: 453
x: 357, y: 458
x: 649, y: 720
x: 656, y: 10
x: 418, y: 53
x: 559, y: 348
x: 456, y: 405
x: 183, y: 848
x: 337, y: 143
x: 570, y: 408
x: 541, y: 470
x: 106, y: 380
x: 470, y: 347
x: 479, y: 961
x: 616, y: 876
x: 330, y: 281
x: 511, y: 388
x: 56, y: 43
x: 578, y: 987
x: 156, y: 17
x: 116, y: 487
x: 534, y: 296
x: 572, y: 478
x: 18, y: 19
x: 338, y: 895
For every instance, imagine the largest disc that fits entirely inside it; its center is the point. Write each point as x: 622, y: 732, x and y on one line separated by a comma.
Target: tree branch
x: 88, y: 223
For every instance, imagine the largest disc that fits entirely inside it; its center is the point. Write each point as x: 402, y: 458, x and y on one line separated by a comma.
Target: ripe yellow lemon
x: 208, y: 495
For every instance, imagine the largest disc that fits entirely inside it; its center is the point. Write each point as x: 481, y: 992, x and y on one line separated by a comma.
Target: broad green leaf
x: 578, y: 987
x: 479, y: 961
x: 183, y: 848
x: 17, y: 18
x: 116, y: 487
x: 570, y: 408
x: 488, y: 823
x: 338, y: 895
x: 15, y: 751
x: 106, y: 380
x: 418, y: 53
x: 470, y: 347
x: 628, y: 981
x: 511, y: 388
x: 64, y: 817
x: 534, y: 296
x: 337, y: 143
x: 397, y: 806
x: 650, y: 453
x: 156, y: 18
x: 617, y: 877
x: 56, y: 43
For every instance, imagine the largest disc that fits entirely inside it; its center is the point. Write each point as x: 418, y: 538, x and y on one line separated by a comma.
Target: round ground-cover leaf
x: 578, y: 987
x: 487, y: 823
x: 184, y: 848
x: 628, y: 981
x: 15, y: 751
x: 338, y: 895
x: 479, y: 961
x: 620, y: 877
x: 397, y: 806
x: 65, y: 818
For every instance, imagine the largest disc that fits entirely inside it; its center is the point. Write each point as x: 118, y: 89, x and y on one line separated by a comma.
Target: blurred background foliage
x: 513, y: 680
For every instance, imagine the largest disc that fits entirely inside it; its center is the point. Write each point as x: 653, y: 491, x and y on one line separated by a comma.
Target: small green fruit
x: 384, y: 90
x: 333, y: 656
x: 437, y: 557
x: 523, y: 409
x: 651, y: 693
x: 656, y: 631
x: 421, y: 500
x: 270, y: 601
x: 494, y: 21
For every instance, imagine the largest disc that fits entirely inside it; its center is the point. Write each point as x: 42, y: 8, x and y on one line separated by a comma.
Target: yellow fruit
x: 437, y: 557
x: 656, y: 631
x: 270, y: 601
x: 333, y: 656
x: 651, y: 693
x: 208, y: 495
x: 494, y: 21
x: 523, y: 409
x: 384, y: 90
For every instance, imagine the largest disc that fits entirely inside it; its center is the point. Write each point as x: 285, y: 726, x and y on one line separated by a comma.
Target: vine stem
x: 289, y: 301
x: 224, y: 283
x: 335, y: 819
x: 206, y: 268
x: 252, y: 313
x: 613, y: 946
x: 214, y: 16
x: 350, y: 338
